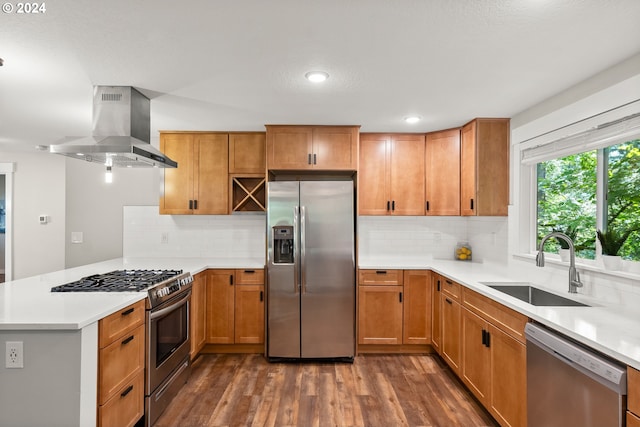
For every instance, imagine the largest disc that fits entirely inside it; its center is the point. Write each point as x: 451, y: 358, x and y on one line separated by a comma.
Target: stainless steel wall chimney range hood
x: 121, y: 132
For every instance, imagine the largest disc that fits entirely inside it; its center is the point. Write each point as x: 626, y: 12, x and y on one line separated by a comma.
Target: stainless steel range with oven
x: 168, y: 338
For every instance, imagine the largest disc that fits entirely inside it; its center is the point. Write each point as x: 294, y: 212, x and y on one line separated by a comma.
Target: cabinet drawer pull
x: 127, y: 312
x: 128, y: 340
x: 381, y: 271
x: 249, y: 271
x: 449, y: 282
x: 448, y: 301
x: 127, y: 391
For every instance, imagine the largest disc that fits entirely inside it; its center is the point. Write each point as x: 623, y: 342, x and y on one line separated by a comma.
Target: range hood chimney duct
x: 121, y: 132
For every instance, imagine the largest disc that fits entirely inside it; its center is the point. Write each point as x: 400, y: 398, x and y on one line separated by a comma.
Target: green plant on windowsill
x: 612, y: 239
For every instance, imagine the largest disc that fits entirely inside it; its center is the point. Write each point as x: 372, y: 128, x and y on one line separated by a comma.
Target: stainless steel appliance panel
x: 283, y: 299
x: 327, y: 269
x: 569, y: 385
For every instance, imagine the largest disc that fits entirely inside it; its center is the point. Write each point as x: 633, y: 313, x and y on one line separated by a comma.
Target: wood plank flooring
x: 376, y: 390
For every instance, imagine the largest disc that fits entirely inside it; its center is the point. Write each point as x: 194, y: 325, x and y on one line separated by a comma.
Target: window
x: 568, y: 199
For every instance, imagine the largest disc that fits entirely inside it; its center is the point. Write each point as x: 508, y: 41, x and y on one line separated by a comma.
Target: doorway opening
x: 6, y: 203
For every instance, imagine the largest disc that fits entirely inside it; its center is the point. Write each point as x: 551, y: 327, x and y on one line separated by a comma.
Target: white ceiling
x: 237, y: 65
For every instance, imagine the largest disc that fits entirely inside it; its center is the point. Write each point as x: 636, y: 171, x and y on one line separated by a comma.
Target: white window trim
x: 523, y: 244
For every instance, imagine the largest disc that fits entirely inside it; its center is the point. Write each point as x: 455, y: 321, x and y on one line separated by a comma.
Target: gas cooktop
x: 119, y: 281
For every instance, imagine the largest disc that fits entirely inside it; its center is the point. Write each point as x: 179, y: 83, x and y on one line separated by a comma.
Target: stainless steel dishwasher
x: 570, y: 385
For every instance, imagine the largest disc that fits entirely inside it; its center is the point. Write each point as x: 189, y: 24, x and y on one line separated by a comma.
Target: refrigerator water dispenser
x: 283, y: 244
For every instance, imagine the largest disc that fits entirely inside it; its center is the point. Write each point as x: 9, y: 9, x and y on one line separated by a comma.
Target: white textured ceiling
x: 237, y: 65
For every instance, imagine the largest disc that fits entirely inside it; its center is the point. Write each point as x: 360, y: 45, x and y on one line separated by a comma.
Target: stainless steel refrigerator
x: 310, y: 270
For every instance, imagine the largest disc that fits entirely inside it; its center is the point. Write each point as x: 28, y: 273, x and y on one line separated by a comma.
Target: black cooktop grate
x: 118, y: 281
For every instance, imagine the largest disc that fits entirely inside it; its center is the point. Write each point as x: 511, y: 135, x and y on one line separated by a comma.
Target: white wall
x: 94, y: 208
x: 38, y: 188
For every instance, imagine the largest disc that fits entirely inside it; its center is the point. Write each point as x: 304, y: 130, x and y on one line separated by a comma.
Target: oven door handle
x: 173, y: 307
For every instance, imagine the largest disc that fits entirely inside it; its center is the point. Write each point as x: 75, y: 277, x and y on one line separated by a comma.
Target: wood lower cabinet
x: 199, y: 185
x: 633, y: 397
x: 484, y: 167
x: 394, y: 307
x: 391, y: 174
x: 198, y: 313
x: 436, y: 313
x: 416, y: 328
x: 442, y: 169
x: 493, y: 363
x: 235, y: 306
x: 312, y: 147
x: 121, y: 338
x: 451, y: 350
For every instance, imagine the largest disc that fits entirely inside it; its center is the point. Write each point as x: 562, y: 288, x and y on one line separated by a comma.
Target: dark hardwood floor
x: 376, y: 390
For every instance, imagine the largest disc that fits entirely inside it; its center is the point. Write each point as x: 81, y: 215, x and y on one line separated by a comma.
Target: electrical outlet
x: 164, y: 238
x: 15, y: 355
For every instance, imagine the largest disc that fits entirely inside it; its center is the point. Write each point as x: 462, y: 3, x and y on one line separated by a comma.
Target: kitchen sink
x: 532, y: 295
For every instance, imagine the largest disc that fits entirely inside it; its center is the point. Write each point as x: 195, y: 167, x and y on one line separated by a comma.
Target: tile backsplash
x: 146, y: 233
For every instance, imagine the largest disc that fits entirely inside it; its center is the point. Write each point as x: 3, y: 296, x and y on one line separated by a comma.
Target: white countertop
x: 610, y: 329
x: 29, y: 304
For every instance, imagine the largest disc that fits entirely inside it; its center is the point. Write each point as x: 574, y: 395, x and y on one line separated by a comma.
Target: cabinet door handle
x: 128, y: 312
x: 314, y: 159
x: 128, y: 340
x: 448, y: 301
x: 484, y: 338
x: 231, y: 280
x: 400, y: 296
x: 261, y: 296
x: 438, y: 289
x: 427, y: 206
x: 393, y: 205
x: 388, y: 205
x: 195, y: 204
x: 488, y: 344
x: 190, y: 204
x: 309, y: 159
x: 471, y: 204
x: 127, y: 391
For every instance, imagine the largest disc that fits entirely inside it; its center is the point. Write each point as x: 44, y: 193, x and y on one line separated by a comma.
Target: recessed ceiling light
x: 412, y: 119
x: 317, y: 76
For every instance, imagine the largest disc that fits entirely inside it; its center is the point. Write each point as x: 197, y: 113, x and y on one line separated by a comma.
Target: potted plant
x: 611, y: 242
x: 571, y: 232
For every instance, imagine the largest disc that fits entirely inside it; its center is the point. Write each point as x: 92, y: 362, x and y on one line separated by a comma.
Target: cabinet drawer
x: 451, y: 288
x: 126, y: 407
x: 250, y: 277
x: 120, y: 362
x: 509, y: 321
x: 380, y: 277
x: 117, y: 324
x: 633, y: 390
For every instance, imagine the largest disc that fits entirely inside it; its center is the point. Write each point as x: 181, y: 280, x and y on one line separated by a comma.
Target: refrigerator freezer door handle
x: 296, y: 250
x: 303, y: 272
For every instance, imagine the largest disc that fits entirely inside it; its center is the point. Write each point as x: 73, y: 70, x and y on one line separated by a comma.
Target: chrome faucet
x: 574, y: 276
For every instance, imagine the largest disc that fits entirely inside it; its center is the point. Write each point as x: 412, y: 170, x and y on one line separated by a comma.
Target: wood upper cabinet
x: 417, y: 307
x: 197, y: 316
x: 199, y: 185
x: 484, y: 167
x: 235, y: 306
x: 247, y: 153
x: 312, y: 147
x: 442, y: 184
x: 391, y: 174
